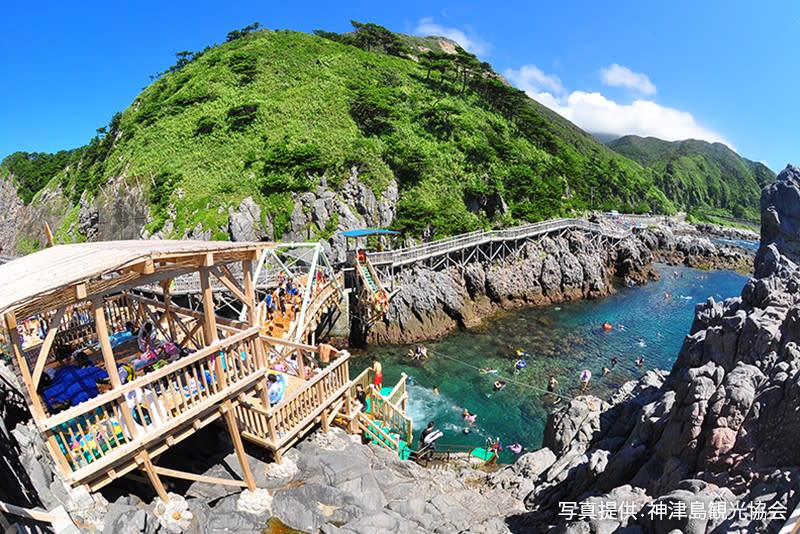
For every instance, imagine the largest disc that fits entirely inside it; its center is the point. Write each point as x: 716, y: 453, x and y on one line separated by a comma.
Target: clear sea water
x: 561, y: 340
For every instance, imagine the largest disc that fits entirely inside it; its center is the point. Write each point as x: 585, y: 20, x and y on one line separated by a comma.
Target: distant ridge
x: 698, y: 174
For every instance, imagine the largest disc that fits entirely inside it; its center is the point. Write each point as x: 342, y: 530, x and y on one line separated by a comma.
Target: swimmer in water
x: 640, y: 361
x: 499, y: 385
x: 552, y: 384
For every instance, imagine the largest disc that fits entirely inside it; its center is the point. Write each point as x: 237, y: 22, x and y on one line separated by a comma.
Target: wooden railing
x: 92, y: 436
x: 278, y: 426
x: 326, y: 296
x: 371, y: 428
x: 398, y: 395
x: 389, y: 411
x: 451, y: 244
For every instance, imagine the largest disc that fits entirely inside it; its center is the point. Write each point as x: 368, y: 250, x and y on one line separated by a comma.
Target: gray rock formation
x: 333, y: 484
x: 9, y: 218
x: 696, y: 249
x: 717, y: 434
x: 247, y: 224
x: 553, y: 269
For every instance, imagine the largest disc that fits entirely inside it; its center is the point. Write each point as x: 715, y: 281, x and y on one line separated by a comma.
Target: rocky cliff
x: 553, y: 269
x: 691, y: 246
x: 716, y: 435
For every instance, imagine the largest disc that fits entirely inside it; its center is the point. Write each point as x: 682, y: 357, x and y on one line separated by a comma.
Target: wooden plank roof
x: 61, y: 266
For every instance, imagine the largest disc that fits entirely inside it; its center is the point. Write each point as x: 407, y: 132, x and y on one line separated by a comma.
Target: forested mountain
x: 697, y: 174
x: 275, y: 114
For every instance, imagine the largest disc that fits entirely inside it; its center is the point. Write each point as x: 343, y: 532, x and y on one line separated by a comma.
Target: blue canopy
x: 368, y: 231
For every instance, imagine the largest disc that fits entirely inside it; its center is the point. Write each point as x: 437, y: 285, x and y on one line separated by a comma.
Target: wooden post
x: 167, y: 311
x: 209, y: 317
x: 301, y: 366
x: 105, y: 343
x: 324, y: 419
x: 143, y: 458
x: 108, y: 358
x: 249, y: 291
x: 48, y: 234
x: 47, y: 344
x: 29, y: 391
x: 233, y: 428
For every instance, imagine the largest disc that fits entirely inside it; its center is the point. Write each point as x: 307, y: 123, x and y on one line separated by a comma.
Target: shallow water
x: 562, y: 340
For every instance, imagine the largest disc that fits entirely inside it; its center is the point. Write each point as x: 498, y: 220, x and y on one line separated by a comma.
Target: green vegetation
x: 709, y: 181
x: 267, y: 114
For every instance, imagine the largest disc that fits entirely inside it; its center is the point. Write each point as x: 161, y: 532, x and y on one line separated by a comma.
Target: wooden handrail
x: 401, y: 384
x: 310, y: 383
x: 145, y: 380
x: 187, y: 312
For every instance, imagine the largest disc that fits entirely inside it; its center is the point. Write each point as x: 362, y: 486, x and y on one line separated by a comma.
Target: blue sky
x: 717, y: 70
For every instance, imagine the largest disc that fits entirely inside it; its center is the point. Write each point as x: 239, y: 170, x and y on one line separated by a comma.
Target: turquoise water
x: 564, y: 339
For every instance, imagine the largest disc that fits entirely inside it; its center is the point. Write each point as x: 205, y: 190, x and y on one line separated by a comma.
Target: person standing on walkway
x: 377, y: 369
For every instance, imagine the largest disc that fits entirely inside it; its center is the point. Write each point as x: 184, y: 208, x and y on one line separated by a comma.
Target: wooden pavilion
x: 81, y: 296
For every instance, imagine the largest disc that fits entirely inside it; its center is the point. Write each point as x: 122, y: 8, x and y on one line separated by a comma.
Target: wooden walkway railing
x: 99, y: 437
x: 328, y: 295
x: 320, y: 399
x: 391, y: 408
x: 409, y: 255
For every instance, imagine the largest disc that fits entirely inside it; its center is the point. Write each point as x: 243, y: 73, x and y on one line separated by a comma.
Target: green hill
x: 702, y: 177
x: 268, y: 114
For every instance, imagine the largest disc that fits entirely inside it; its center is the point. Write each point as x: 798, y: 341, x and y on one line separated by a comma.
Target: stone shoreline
x: 431, y: 303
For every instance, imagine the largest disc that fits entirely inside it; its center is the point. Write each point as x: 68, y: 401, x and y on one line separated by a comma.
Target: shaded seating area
x: 106, y: 406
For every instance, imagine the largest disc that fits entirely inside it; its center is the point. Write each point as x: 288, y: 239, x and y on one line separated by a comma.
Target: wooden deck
x: 223, y: 376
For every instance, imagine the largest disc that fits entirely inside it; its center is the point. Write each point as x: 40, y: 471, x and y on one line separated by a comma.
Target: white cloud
x: 532, y: 79
x: 598, y: 114
x: 619, y: 76
x: 427, y: 26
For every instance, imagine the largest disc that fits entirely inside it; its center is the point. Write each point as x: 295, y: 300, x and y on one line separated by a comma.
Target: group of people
x: 429, y: 436
x: 281, y: 304
x: 419, y: 353
x: 586, y: 375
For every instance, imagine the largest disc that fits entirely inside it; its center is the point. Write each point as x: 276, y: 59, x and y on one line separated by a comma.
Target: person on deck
x: 429, y: 436
x: 275, y: 388
x: 147, y: 337
x: 361, y: 397
x: 377, y: 368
